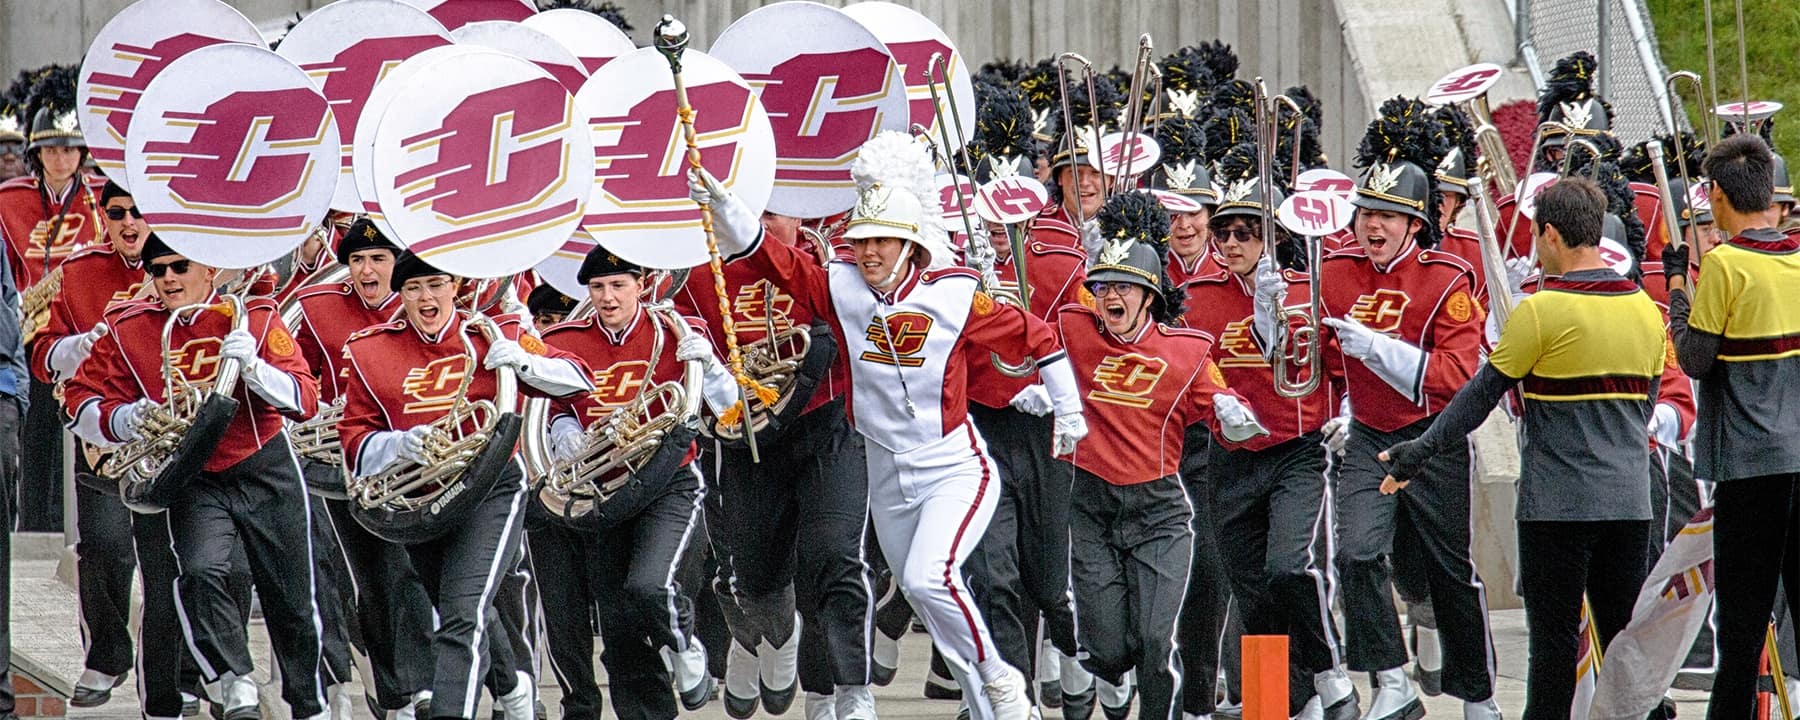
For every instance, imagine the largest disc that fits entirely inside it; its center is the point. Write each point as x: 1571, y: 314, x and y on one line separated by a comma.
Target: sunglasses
x: 116, y: 214
x: 180, y: 267
x: 1242, y: 236
x: 1100, y: 289
x: 12, y: 148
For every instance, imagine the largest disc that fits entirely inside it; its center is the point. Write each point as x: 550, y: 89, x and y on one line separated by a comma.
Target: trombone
x: 1134, y: 112
x: 981, y: 255
x: 1070, y: 129
x: 1301, y: 342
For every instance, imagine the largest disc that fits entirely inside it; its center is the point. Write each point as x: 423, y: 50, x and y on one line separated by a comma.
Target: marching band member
x: 1734, y: 337
x: 909, y: 323
x: 402, y: 376
x: 1183, y: 172
x: 630, y: 567
x: 390, y: 608
x: 548, y: 307
x: 1130, y: 521
x: 788, y: 532
x: 1408, y: 329
x: 1020, y: 569
x: 1588, y: 351
x: 44, y: 216
x: 1270, y: 494
x: 113, y: 540
x: 250, y: 491
x: 12, y: 144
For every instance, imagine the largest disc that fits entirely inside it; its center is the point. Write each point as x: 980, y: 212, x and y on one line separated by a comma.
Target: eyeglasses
x: 116, y: 214
x: 1241, y: 236
x: 413, y: 291
x: 180, y: 267
x: 1100, y: 289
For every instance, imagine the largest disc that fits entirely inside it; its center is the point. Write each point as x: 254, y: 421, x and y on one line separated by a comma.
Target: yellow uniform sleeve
x: 1715, y: 296
x: 1521, y: 341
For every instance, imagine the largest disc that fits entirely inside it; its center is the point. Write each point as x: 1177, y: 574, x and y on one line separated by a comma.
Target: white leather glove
x: 128, y: 420
x: 1337, y: 432
x: 565, y: 439
x: 415, y: 444
x: 238, y: 345
x: 735, y: 227
x: 1517, y: 271
x: 1070, y: 428
x: 507, y: 353
x: 1665, y: 426
x: 694, y: 347
x: 1266, y: 310
x: 1236, y: 422
x: 68, y: 354
x: 1034, y: 399
x: 1395, y: 361
x: 1270, y: 283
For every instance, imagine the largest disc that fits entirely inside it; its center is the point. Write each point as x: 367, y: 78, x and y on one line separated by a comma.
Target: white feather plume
x: 898, y: 161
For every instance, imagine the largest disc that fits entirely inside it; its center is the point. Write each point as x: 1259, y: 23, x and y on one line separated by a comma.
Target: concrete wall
x: 1289, y: 42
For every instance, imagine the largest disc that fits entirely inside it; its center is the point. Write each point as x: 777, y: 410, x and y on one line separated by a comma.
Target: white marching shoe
x: 518, y: 704
x: 1008, y: 696
x: 854, y: 702
x: 820, y: 707
x: 1395, y: 698
x: 1484, y: 710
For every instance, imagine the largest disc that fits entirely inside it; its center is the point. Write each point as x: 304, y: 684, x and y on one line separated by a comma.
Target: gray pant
x: 1131, y: 547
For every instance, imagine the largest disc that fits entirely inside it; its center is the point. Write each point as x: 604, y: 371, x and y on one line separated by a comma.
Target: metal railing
x: 1631, y: 70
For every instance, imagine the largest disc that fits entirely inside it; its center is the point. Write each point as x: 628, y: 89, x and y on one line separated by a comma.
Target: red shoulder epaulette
x: 130, y: 308
x: 23, y: 181
x: 1041, y: 248
x: 336, y: 288
x: 936, y: 274
x: 1445, y: 258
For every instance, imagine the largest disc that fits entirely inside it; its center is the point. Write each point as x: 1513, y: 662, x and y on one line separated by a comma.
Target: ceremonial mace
x: 671, y: 41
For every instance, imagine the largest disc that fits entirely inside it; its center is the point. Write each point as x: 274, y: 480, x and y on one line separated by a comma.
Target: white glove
x: 1270, y: 283
x: 238, y: 345
x: 507, y: 353
x: 735, y: 227
x: 1034, y: 399
x: 1517, y: 270
x: 1070, y: 428
x: 1665, y: 426
x: 694, y: 347
x: 415, y: 444
x: 1337, y: 432
x: 1236, y: 422
x: 1355, y: 338
x: 128, y: 420
x: 67, y: 354
x: 565, y: 439
x: 1395, y: 361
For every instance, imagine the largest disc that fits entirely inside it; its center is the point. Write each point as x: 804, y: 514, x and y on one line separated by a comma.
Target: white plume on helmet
x: 895, y: 162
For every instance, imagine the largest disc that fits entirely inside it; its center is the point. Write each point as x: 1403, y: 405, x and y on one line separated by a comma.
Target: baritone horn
x: 468, y: 449
x: 179, y: 434
x: 1297, y: 331
x: 647, y: 437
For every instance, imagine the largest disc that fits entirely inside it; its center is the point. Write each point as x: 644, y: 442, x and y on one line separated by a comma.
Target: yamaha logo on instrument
x: 908, y: 331
x: 1127, y: 380
x: 433, y: 387
x: 1381, y: 310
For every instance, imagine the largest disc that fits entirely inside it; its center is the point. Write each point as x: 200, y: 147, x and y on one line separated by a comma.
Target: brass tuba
x: 647, y: 437
x: 470, y: 447
x: 177, y: 436
x: 316, y: 439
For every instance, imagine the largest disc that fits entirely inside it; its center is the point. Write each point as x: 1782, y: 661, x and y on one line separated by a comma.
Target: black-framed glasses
x: 1241, y: 236
x: 180, y: 267
x: 116, y: 214
x: 1117, y: 287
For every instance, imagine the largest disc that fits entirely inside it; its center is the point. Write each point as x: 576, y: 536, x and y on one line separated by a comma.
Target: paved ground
x: 44, y: 626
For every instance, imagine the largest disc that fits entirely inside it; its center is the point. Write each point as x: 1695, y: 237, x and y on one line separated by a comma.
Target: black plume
x: 1182, y: 139
x: 1309, y: 104
x: 1456, y: 132
x: 1226, y: 128
x: 1005, y: 72
x: 1572, y: 80
x: 1002, y: 126
x: 1236, y: 94
x: 1039, y: 82
x: 610, y: 11
x: 54, y: 88
x: 1406, y: 129
x: 1109, y: 101
x: 1186, y: 70
x: 1236, y: 162
x: 1135, y: 215
x: 1219, y: 60
x: 16, y: 95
